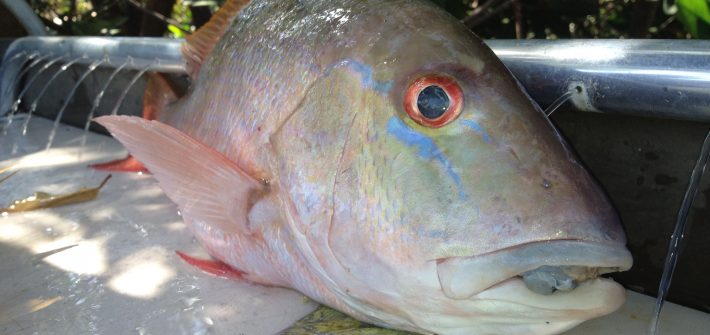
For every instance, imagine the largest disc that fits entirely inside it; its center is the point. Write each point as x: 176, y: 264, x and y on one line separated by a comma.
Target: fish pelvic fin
x: 128, y: 164
x: 213, y: 267
x: 200, y: 44
x: 206, y: 186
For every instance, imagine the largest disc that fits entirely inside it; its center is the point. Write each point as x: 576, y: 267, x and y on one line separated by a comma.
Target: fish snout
x: 545, y: 267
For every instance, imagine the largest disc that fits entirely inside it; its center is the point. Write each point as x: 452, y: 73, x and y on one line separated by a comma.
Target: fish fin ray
x: 200, y: 44
x: 206, y: 186
x: 213, y: 267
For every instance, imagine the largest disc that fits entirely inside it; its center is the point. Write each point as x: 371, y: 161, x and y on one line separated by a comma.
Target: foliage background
x: 488, y: 18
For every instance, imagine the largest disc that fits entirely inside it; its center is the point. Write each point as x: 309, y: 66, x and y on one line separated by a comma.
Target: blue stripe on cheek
x: 478, y: 129
x: 366, y: 72
x: 427, y: 149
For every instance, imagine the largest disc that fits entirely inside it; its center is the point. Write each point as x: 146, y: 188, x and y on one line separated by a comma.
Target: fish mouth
x: 542, y: 269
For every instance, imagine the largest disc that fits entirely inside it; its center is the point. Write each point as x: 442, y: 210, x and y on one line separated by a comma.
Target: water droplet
x: 190, y: 301
x: 186, y: 288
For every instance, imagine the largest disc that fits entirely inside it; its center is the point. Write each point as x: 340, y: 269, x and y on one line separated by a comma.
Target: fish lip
x: 593, y: 298
x: 464, y: 277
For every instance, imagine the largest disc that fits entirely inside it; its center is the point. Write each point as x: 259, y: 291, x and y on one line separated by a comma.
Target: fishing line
x: 97, y: 100
x: 16, y: 103
x: 68, y: 99
x: 561, y: 100
x: 679, y: 232
x: 128, y: 87
x: 33, y: 105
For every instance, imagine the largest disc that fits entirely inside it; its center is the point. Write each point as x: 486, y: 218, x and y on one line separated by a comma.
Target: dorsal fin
x: 200, y: 44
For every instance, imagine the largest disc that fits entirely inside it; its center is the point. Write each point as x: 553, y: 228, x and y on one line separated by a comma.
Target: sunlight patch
x: 142, y: 274
x: 87, y: 257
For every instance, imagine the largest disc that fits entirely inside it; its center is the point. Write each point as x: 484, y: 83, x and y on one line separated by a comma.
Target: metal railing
x: 157, y: 54
x: 657, y: 78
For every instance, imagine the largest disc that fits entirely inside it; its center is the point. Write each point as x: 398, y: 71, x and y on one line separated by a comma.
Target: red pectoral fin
x: 128, y: 164
x: 206, y: 185
x: 213, y: 267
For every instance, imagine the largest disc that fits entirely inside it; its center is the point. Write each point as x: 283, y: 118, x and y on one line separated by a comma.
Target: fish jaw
x: 507, y: 307
x: 423, y: 300
x: 464, y: 277
x: 510, y: 308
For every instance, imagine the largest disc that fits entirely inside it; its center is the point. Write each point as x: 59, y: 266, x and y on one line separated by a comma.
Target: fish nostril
x: 546, y: 184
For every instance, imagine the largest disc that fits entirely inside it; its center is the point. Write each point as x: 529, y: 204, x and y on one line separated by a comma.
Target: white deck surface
x: 123, y: 277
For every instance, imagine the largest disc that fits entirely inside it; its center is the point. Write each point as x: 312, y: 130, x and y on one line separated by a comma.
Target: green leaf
x: 177, y: 33
x: 695, y: 16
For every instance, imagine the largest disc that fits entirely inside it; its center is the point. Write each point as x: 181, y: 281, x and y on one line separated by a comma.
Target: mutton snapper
x: 377, y: 157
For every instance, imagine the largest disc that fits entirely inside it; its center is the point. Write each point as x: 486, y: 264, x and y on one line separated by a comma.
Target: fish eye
x: 433, y: 100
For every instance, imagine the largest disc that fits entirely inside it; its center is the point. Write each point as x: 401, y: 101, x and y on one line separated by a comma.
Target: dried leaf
x: 327, y: 321
x: 7, y: 168
x: 40, y: 200
x: 43, y: 255
x: 35, y: 305
x: 8, y: 176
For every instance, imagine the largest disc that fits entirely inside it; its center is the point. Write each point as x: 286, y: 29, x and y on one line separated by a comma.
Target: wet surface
x: 108, y: 266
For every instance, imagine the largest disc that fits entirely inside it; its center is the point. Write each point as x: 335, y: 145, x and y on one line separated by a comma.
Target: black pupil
x: 432, y: 102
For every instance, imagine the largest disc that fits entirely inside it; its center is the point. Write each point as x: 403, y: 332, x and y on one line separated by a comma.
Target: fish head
x: 434, y: 194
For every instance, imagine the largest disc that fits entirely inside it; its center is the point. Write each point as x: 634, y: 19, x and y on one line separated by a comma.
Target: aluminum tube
x: 656, y: 78
x: 160, y: 54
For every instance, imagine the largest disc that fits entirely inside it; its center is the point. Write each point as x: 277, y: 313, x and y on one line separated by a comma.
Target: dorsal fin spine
x: 200, y: 44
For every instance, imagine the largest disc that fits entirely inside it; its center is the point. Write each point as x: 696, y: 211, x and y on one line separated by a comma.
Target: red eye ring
x: 453, y: 91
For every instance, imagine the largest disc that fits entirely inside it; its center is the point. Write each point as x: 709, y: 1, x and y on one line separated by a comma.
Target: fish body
x: 377, y: 157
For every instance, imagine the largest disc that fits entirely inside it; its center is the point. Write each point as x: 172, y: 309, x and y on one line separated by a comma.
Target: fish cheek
x: 334, y: 174
x: 400, y: 207
x: 309, y: 149
x: 367, y: 235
